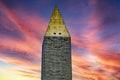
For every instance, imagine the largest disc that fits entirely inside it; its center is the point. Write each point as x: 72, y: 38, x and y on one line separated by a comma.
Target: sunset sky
x: 94, y: 26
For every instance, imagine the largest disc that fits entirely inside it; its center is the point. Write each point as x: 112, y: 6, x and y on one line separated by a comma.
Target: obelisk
x: 56, y: 50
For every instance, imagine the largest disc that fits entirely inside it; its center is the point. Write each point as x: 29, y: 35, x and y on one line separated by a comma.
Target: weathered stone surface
x: 56, y: 58
x: 56, y: 50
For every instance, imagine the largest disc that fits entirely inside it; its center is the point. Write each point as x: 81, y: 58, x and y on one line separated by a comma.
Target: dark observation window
x: 60, y: 33
x: 54, y: 33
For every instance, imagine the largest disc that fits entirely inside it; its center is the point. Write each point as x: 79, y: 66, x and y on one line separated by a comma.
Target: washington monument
x: 56, y: 50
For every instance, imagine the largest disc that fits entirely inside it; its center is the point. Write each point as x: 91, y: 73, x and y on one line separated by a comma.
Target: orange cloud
x: 28, y: 26
x: 104, y: 65
x: 112, y: 58
x: 32, y: 29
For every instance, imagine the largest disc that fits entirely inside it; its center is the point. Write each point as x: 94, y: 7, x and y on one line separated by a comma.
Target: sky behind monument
x: 94, y: 26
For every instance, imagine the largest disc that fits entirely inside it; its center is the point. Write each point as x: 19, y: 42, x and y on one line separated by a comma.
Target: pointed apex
x: 56, y: 25
x: 56, y: 6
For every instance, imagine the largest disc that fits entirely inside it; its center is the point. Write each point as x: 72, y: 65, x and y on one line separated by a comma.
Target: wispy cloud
x: 95, y: 50
x: 25, y: 51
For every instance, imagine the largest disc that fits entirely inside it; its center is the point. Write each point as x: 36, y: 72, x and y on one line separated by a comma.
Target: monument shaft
x: 56, y: 50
